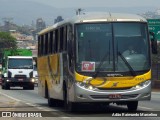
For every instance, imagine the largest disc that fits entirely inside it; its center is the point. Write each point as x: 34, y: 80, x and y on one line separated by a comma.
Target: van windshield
x: 20, y: 63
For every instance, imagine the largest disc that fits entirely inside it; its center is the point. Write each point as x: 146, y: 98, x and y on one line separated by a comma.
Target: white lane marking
x: 30, y: 104
x: 34, y: 105
x: 10, y: 97
x: 66, y: 118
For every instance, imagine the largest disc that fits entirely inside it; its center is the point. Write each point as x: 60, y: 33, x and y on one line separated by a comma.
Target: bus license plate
x: 114, y: 96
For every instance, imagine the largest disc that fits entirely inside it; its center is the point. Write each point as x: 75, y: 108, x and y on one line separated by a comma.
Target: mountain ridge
x: 24, y: 12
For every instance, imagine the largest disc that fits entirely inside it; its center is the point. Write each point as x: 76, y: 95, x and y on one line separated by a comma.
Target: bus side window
x: 56, y: 41
x: 69, y: 46
x: 46, y: 44
x: 43, y: 45
x: 51, y: 42
x: 39, y: 45
x: 65, y: 39
x: 61, y: 39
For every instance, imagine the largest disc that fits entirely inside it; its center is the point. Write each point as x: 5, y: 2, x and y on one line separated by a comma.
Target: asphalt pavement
x: 8, y: 103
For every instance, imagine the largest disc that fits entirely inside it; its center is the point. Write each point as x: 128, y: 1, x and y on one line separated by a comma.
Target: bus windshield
x: 14, y: 63
x: 112, y: 45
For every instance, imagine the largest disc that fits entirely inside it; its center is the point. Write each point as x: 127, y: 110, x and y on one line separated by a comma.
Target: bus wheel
x: 132, y: 105
x: 69, y: 106
x: 51, y: 102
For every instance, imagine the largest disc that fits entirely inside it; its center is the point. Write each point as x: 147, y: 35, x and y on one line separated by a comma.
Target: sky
x: 17, y: 8
x: 100, y: 3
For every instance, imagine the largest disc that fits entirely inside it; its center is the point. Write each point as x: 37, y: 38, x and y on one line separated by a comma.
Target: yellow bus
x: 82, y: 60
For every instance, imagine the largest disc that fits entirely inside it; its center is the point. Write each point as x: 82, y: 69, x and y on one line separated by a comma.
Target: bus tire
x: 132, y: 105
x: 50, y: 101
x: 46, y: 90
x: 53, y: 102
x: 69, y: 106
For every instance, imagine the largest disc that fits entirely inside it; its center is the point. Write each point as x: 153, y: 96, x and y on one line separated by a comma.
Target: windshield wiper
x: 127, y: 64
x: 99, y: 66
x: 27, y: 66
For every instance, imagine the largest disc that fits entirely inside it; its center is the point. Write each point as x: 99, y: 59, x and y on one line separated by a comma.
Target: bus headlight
x: 143, y: 84
x: 85, y: 85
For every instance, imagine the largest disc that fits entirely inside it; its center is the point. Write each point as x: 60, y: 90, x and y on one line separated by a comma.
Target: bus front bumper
x: 82, y: 94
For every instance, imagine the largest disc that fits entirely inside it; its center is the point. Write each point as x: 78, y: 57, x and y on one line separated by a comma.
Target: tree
x: 7, y: 41
x: 58, y: 19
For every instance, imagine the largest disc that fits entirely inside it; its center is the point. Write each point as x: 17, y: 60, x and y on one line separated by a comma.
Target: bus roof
x: 97, y: 17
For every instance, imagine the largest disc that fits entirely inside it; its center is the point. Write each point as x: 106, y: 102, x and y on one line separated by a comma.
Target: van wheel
x: 2, y: 86
x: 132, y: 105
x: 31, y: 87
x: 6, y: 86
x: 25, y: 88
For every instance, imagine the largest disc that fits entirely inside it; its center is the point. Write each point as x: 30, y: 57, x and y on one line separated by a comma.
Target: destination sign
x: 94, y: 27
x: 154, y: 26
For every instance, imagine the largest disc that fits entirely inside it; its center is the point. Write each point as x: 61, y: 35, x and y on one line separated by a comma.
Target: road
x: 21, y: 100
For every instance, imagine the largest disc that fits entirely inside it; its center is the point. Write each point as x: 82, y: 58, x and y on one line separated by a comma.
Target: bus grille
x: 107, y: 96
x: 115, y: 88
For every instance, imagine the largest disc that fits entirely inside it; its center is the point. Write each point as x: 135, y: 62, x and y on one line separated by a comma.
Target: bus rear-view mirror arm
x: 153, y: 43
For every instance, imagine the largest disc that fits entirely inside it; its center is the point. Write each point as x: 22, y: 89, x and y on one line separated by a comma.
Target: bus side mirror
x: 154, y: 47
x: 153, y: 43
